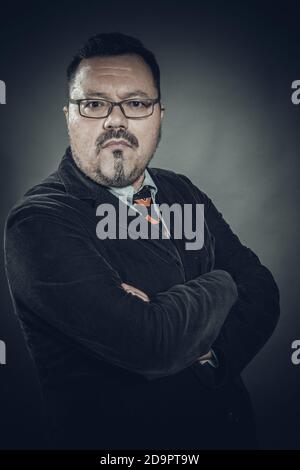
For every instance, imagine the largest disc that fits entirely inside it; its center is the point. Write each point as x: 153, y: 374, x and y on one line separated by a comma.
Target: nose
x: 116, y: 118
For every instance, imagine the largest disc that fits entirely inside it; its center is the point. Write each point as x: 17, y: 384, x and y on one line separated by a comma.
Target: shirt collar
x: 127, y: 192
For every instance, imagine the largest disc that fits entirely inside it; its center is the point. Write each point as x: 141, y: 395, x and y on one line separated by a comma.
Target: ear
x: 66, y: 112
x: 162, y: 111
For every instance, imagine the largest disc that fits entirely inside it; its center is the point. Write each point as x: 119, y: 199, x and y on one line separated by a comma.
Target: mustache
x: 119, y: 134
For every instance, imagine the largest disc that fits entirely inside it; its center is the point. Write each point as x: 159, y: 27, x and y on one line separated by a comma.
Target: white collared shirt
x: 127, y: 192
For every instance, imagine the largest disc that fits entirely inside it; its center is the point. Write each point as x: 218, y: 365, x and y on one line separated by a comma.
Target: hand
x: 205, y: 357
x: 135, y: 291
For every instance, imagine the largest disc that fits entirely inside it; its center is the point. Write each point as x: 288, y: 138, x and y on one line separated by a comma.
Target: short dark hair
x: 110, y: 44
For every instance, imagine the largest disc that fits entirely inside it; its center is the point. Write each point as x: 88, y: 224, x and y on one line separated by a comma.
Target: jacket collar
x: 81, y: 186
x: 78, y: 184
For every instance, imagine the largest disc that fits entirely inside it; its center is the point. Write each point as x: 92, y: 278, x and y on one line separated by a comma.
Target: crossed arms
x: 55, y: 271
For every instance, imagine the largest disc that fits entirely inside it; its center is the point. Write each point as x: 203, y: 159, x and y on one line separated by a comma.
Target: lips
x: 116, y: 143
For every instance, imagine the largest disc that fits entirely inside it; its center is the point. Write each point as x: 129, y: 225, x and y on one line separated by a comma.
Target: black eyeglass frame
x: 153, y: 101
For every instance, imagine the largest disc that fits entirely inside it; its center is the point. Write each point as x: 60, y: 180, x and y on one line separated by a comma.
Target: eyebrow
x: 91, y: 93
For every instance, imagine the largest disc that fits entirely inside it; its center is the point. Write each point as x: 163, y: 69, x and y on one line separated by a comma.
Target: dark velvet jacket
x: 118, y: 372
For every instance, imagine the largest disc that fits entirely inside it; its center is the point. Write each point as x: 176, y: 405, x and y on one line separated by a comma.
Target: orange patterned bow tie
x: 144, y: 198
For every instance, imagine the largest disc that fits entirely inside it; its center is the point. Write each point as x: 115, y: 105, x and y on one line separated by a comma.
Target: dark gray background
x: 230, y: 125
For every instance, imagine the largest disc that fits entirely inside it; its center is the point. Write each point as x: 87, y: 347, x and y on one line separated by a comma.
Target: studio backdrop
x: 229, y: 78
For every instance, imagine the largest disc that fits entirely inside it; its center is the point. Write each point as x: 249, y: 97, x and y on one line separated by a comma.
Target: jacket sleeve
x: 55, y: 271
x: 254, y: 316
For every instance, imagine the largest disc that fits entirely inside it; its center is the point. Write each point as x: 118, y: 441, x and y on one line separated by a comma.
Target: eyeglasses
x: 133, y: 109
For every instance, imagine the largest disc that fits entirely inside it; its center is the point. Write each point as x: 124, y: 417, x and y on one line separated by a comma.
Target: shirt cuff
x: 213, y: 361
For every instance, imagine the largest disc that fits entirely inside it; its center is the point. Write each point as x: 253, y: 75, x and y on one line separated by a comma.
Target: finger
x: 138, y: 293
x: 135, y: 291
x: 142, y: 297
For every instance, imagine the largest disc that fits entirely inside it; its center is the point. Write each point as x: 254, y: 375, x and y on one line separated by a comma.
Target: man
x: 138, y: 342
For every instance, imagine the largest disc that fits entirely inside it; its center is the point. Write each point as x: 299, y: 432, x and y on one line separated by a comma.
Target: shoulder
x: 47, y: 199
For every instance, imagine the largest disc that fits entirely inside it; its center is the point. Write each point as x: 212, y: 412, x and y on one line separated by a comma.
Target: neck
x: 138, y: 183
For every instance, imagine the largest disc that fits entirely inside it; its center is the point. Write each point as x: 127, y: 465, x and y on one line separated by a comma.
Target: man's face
x: 113, y: 78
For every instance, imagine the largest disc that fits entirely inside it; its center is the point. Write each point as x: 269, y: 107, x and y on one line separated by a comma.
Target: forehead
x: 114, y: 75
